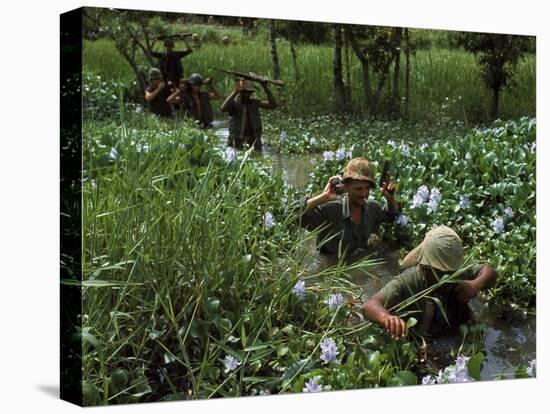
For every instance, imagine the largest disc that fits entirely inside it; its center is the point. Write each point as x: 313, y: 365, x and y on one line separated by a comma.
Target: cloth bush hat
x: 440, y: 249
x: 154, y: 73
x: 359, y: 169
x: 247, y: 85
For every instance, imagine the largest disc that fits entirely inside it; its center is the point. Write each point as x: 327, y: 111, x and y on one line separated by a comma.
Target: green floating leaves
x: 474, y: 366
x: 403, y: 378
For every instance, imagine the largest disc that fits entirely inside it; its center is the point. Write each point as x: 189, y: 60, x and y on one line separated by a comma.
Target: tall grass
x: 180, y: 270
x: 444, y: 83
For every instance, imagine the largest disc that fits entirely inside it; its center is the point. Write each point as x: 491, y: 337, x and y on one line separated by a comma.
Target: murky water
x: 507, y: 343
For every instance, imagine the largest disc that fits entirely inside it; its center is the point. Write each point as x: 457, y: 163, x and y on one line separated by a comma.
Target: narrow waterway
x: 508, y: 344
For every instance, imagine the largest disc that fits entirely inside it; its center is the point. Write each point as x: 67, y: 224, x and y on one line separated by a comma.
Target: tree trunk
x: 494, y: 106
x: 407, y: 74
x: 139, y: 74
x: 348, y: 72
x: 294, y: 61
x: 369, y: 96
x: 276, y: 70
x: 339, y: 89
x: 398, y: 32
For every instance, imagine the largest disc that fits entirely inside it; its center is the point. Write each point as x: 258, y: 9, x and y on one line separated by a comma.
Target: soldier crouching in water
x: 439, y: 254
x: 245, y: 124
x: 195, y: 102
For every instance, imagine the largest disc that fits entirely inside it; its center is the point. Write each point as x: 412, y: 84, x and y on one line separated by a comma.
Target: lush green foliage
x: 191, y: 263
x: 490, y: 171
x: 446, y: 84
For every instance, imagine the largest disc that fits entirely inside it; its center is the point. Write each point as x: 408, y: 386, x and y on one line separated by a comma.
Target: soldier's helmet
x: 195, y: 79
x: 154, y: 73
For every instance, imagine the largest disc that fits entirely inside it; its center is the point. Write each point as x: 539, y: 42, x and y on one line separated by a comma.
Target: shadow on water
x: 508, y: 344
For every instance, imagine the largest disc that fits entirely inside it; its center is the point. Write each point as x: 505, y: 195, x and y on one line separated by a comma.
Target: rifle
x: 251, y: 77
x: 174, y: 36
x: 385, y: 173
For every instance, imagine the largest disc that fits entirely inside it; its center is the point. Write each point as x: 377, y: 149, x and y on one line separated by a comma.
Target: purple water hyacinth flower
x: 509, y: 212
x: 269, y: 221
x: 461, y: 362
x: 340, y: 154
x: 230, y: 154
x: 329, y: 350
x: 423, y: 192
x: 282, y: 136
x: 435, y: 198
x: 138, y: 109
x: 428, y: 380
x: 464, y: 202
x: 312, y: 141
x: 532, y: 368
x: 435, y: 194
x: 230, y: 363
x: 405, y: 150
x: 417, y: 201
x: 432, y: 206
x: 392, y: 143
x: 312, y: 386
x: 401, y: 220
x: 498, y: 225
x: 299, y: 289
x: 328, y: 155
x: 334, y: 301
x: 468, y: 156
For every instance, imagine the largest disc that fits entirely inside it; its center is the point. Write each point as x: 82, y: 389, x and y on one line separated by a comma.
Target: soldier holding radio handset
x: 344, y: 212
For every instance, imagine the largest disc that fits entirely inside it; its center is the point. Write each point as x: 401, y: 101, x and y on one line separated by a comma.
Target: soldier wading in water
x: 245, y: 124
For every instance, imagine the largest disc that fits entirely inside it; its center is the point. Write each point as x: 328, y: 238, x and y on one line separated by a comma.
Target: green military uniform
x: 441, y: 250
x: 200, y: 109
x: 170, y: 64
x: 245, y: 124
x: 334, y: 218
x: 426, y: 310
x: 159, y: 106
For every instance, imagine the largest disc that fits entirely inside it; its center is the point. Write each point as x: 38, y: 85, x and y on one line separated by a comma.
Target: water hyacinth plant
x: 489, y: 203
x: 329, y: 351
x: 193, y: 279
x: 312, y: 386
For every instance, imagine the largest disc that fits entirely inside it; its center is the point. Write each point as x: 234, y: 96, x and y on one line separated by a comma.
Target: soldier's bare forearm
x: 486, y: 278
x: 228, y: 100
x: 374, y: 310
x: 313, y: 202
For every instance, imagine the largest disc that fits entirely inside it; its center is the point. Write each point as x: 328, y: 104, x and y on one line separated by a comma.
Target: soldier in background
x: 170, y: 61
x: 157, y: 94
x: 245, y: 124
x: 194, y: 101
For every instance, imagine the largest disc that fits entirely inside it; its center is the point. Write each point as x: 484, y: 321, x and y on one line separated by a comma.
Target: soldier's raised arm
x: 271, y: 102
x: 226, y: 105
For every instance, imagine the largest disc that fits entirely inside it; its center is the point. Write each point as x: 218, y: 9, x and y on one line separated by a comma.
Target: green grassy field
x: 445, y: 83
